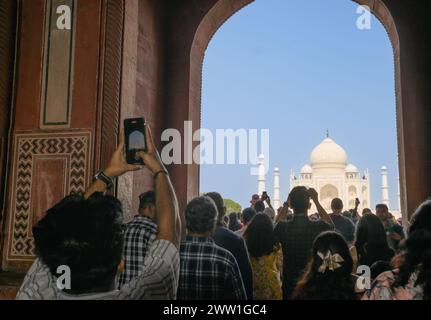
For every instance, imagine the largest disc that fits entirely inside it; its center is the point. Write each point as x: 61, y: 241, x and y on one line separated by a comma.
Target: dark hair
x: 201, y: 215
x: 234, y: 224
x: 382, y: 206
x: 299, y: 199
x: 336, y: 284
x: 259, y: 206
x: 337, y: 204
x: 218, y: 200
x: 371, y: 242
x: 85, y: 235
x: 418, y: 251
x: 421, y: 219
x: 379, y: 267
x: 259, y: 236
x: 147, y: 198
x: 248, y: 214
x: 225, y: 220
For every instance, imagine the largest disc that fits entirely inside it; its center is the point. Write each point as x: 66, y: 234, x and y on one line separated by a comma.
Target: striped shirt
x: 158, y: 279
x: 139, y: 234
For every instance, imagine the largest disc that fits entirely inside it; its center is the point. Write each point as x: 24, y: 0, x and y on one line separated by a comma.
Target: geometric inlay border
x: 74, y: 146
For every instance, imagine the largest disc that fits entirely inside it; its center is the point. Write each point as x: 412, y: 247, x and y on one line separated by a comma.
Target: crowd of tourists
x: 260, y: 253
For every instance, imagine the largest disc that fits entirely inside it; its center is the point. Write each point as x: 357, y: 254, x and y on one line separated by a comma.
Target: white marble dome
x: 306, y: 169
x: 328, y: 153
x: 351, y: 169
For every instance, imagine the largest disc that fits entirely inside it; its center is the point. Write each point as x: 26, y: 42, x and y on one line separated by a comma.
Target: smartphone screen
x: 135, y: 138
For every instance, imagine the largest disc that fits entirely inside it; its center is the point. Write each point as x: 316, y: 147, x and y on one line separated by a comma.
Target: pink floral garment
x: 383, y: 288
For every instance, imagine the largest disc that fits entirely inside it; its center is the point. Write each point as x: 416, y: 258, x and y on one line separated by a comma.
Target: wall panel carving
x: 55, y: 165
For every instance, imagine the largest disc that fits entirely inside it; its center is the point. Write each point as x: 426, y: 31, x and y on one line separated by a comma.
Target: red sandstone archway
x: 221, y: 11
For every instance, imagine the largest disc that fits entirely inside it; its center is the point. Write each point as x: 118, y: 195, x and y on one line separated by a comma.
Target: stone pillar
x: 276, y: 189
x: 399, y: 194
x: 385, y: 186
x: 261, y: 187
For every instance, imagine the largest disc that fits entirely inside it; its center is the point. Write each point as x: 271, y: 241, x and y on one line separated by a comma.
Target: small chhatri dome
x: 328, y: 153
x: 306, y: 169
x: 351, y: 169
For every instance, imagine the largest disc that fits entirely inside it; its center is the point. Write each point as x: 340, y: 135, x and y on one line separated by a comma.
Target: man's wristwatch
x: 104, y: 178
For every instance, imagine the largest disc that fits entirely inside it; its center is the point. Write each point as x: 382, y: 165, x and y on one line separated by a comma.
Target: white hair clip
x: 329, y: 261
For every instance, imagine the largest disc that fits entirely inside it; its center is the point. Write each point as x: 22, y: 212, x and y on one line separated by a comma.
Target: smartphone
x: 264, y: 196
x: 135, y: 139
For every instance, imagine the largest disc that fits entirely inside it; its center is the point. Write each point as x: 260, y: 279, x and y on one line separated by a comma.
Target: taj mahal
x: 330, y: 173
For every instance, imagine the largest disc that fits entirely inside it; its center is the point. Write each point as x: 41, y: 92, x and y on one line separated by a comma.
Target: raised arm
x: 116, y: 167
x: 168, y: 219
x: 322, y: 212
x: 282, y: 213
x: 268, y: 202
x: 355, y: 209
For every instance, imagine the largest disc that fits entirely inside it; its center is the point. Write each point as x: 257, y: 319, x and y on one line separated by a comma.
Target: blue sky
x: 298, y: 68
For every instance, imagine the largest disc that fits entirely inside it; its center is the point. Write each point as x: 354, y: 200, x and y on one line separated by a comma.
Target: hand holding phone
x: 135, y: 138
x: 117, y: 165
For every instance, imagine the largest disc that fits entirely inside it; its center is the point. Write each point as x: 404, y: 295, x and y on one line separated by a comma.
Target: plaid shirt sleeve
x: 159, y: 276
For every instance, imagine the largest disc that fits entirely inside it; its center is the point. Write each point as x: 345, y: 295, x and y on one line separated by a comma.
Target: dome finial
x: 327, y: 133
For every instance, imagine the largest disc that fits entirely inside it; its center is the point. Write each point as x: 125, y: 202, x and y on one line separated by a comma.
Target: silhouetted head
x: 86, y: 235
x: 370, y: 231
x: 371, y: 241
x: 299, y: 200
x: 334, y: 244
x: 417, y: 254
x: 328, y: 274
x: 382, y: 211
x: 337, y: 205
x: 218, y: 200
x: 247, y: 215
x: 147, y: 204
x: 259, y: 236
x: 254, y: 199
x: 259, y: 206
x: 234, y: 224
x: 201, y: 216
x: 366, y: 211
x: 421, y: 219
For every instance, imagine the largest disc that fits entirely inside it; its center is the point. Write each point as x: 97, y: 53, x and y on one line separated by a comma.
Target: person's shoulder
x: 283, y: 224
x: 223, y: 255
x: 163, y: 247
x: 320, y: 224
x: 347, y: 221
x: 139, y: 221
x: 227, y: 233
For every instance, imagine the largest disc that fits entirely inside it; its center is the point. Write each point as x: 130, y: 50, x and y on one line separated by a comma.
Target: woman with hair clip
x: 328, y: 275
x: 412, y: 280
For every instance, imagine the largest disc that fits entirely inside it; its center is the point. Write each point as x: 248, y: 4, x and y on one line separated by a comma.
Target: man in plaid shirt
x: 207, y: 271
x: 139, y: 234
